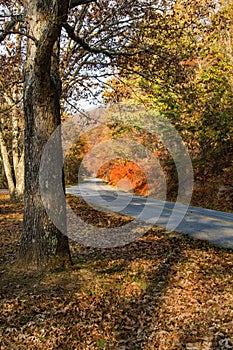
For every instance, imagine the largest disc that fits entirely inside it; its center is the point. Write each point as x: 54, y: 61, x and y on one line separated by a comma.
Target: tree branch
x: 109, y: 53
x: 74, y: 3
x: 9, y: 26
x: 11, y: 107
x: 21, y: 33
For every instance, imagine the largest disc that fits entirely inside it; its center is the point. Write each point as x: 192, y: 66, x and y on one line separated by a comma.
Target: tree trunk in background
x: 11, y: 122
x: 14, y: 174
x: 17, y: 156
x: 14, y: 165
x: 42, y: 243
x: 7, y: 165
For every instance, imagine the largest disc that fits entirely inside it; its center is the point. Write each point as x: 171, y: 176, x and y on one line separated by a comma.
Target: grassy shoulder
x: 164, y: 291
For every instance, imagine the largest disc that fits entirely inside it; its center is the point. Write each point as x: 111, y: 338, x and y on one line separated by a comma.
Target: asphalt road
x: 211, y: 225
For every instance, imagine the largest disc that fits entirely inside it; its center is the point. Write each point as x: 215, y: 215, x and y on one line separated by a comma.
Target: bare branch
x: 10, y: 25
x: 74, y: 3
x: 85, y: 115
x: 23, y: 34
x: 109, y: 53
x: 11, y: 107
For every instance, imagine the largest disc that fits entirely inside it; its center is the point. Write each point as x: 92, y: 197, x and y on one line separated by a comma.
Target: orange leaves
x: 164, y: 291
x: 122, y: 171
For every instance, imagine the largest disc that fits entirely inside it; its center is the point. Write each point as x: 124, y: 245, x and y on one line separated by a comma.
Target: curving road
x: 211, y: 225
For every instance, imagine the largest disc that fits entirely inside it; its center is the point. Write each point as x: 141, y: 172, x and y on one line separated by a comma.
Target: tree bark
x: 42, y: 245
x: 7, y: 165
x: 14, y: 172
x: 15, y: 177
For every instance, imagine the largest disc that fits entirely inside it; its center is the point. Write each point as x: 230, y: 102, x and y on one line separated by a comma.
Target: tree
x: 11, y: 123
x: 194, y: 88
x: 100, y: 31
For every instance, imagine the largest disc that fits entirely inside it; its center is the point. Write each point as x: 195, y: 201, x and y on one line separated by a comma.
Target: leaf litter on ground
x: 164, y: 291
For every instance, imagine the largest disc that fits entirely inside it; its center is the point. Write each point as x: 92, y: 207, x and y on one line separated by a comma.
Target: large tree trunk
x: 42, y: 243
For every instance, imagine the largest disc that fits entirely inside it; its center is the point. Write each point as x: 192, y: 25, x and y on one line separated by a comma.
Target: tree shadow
x: 110, y: 299
x: 126, y: 307
x: 138, y: 301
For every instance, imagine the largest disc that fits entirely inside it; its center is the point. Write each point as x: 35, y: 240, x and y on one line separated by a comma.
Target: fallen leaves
x: 164, y: 291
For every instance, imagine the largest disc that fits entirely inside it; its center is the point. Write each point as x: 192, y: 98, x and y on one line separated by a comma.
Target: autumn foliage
x: 124, y: 174
x: 95, y: 154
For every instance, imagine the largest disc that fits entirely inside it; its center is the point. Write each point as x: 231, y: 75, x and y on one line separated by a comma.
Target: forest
x: 173, y: 60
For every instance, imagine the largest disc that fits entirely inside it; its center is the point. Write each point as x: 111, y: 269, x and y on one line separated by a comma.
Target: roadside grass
x: 164, y: 291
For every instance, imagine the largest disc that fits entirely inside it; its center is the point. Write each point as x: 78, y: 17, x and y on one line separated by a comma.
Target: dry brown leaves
x: 163, y: 291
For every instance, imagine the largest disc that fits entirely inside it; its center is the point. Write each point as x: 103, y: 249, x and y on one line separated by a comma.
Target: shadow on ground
x: 164, y: 291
